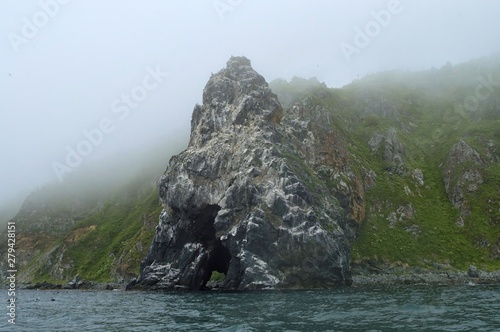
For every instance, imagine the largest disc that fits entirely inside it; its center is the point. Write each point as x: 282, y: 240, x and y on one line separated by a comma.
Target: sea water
x: 397, y: 308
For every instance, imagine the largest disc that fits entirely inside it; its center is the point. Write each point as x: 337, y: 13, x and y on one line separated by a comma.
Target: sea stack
x: 245, y: 198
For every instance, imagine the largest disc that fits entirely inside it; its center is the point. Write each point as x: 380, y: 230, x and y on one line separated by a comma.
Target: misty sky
x: 115, y: 75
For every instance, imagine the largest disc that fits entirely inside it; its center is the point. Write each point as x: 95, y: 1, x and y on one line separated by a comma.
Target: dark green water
x: 412, y: 308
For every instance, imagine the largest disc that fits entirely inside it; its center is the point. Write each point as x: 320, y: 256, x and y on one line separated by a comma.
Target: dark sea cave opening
x: 219, y: 257
x: 217, y: 265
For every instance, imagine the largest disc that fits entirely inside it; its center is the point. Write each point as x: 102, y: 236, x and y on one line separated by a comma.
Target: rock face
x: 243, y: 200
x: 393, y: 150
x: 462, y: 175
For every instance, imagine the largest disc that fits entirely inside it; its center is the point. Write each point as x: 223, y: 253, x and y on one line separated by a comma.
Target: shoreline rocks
x: 75, y: 284
x: 390, y: 275
x: 430, y: 278
x: 409, y: 277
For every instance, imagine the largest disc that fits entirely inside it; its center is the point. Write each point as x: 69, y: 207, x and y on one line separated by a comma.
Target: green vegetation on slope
x: 114, y: 239
x: 430, y: 113
x: 98, y: 223
x: 106, y: 246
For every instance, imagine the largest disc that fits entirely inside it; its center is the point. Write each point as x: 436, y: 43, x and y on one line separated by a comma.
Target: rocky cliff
x: 390, y: 174
x: 244, y: 199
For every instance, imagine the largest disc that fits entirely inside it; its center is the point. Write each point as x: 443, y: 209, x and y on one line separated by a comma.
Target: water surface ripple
x: 411, y: 308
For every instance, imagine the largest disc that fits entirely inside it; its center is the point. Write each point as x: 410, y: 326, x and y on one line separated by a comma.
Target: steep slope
x: 106, y: 246
x: 430, y: 138
x: 97, y: 224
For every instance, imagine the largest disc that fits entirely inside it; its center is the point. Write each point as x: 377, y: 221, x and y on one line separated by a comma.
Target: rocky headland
x: 288, y: 185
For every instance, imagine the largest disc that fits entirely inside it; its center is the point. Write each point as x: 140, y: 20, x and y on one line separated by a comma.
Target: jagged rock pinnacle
x: 236, y: 95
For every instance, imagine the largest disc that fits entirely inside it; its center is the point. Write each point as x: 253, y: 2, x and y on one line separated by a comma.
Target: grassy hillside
x: 408, y: 223
x: 97, y: 224
x: 106, y: 246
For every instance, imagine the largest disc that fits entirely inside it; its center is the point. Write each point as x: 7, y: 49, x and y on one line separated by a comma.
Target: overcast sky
x: 96, y: 77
